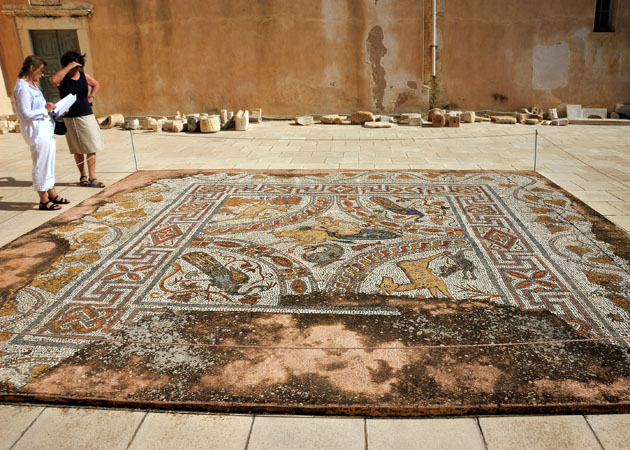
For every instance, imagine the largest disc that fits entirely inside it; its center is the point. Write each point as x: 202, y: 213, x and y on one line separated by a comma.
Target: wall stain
x: 402, y: 98
x: 499, y: 97
x: 412, y: 85
x: 376, y: 50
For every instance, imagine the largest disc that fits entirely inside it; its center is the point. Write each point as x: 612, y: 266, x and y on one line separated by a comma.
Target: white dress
x: 38, y: 131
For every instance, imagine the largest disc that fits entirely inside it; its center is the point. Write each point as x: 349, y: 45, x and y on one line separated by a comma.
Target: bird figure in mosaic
x: 397, y: 209
x: 229, y: 280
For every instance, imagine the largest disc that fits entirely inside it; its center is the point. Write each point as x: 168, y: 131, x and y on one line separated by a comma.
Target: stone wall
x: 337, y: 56
x: 508, y: 54
x: 5, y: 101
x: 287, y: 57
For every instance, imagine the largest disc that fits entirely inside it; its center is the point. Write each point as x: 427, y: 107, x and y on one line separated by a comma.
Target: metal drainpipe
x: 434, y: 46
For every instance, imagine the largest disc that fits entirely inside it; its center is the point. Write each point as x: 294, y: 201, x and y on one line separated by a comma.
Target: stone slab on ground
x: 377, y: 125
x: 622, y: 122
x: 304, y: 120
x: 594, y: 113
x: 503, y: 119
x: 574, y: 112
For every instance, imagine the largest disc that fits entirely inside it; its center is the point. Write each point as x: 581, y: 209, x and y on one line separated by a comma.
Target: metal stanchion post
x: 133, y: 146
x: 535, y: 150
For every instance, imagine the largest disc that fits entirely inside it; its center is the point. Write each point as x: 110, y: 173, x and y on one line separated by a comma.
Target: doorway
x: 50, y: 45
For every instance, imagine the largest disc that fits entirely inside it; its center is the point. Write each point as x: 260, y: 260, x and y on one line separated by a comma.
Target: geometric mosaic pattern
x: 246, y: 241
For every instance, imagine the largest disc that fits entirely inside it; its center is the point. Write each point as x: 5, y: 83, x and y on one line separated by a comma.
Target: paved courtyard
x: 590, y: 162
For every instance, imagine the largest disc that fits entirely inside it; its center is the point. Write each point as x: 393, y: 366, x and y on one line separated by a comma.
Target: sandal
x: 83, y: 181
x: 49, y: 206
x: 60, y: 200
x: 93, y: 182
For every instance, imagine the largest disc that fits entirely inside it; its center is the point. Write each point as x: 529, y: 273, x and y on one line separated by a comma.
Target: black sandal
x: 83, y: 181
x: 93, y: 182
x: 49, y: 206
x: 60, y: 200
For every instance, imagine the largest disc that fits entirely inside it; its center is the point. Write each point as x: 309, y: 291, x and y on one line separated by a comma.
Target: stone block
x: 131, y: 124
x: 385, y: 119
x: 17, y: 127
x: 224, y: 116
x: 415, y: 120
x: 623, y: 122
x: 560, y: 122
x: 437, y: 118
x: 574, y: 112
x: 467, y: 117
x: 594, y: 113
x: 193, y: 123
x: 241, y: 120
x: 174, y: 126
x: 537, y: 112
x: 433, y: 112
x: 622, y: 110
x: 360, y: 117
x: 531, y: 121
x: 304, y: 120
x: 4, y: 130
x: 255, y: 115
x: 145, y: 123
x: 521, y: 117
x: 332, y: 119
x: 615, y: 115
x: 113, y: 120
x: 377, y: 124
x: 503, y: 119
x: 552, y: 113
x: 210, y: 124
x: 453, y: 121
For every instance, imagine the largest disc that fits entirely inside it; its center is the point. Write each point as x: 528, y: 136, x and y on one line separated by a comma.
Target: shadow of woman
x: 17, y: 206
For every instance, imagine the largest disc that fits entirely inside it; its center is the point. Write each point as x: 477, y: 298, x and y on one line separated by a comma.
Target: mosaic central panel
x: 256, y: 242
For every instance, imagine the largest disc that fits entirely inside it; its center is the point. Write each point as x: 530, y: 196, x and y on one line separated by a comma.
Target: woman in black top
x: 84, y: 135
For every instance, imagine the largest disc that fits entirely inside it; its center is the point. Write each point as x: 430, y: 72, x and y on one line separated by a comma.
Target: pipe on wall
x: 434, y: 46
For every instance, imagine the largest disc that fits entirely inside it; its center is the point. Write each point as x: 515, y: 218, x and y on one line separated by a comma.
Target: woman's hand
x: 50, y: 106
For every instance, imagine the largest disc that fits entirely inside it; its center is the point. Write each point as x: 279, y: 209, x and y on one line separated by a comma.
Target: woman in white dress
x: 38, y: 131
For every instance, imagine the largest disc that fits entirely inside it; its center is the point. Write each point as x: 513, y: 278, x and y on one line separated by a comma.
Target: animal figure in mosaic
x: 229, y: 280
x: 420, y: 277
x: 397, y: 209
x: 324, y: 254
x: 253, y: 211
x: 311, y: 235
x: 460, y: 262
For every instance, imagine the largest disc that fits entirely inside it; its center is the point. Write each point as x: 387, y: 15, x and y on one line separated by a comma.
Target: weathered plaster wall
x: 507, y: 54
x: 288, y: 57
x: 5, y: 101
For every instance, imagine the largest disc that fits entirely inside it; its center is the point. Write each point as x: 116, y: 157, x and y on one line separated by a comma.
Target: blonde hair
x: 31, y: 60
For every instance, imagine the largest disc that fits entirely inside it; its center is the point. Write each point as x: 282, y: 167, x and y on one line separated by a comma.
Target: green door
x: 50, y: 45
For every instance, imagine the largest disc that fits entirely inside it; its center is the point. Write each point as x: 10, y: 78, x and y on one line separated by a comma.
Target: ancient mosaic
x: 257, y: 242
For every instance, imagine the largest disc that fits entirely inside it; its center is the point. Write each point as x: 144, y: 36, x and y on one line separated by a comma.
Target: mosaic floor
x: 320, y: 289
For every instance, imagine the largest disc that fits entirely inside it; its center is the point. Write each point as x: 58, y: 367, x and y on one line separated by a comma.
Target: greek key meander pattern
x: 245, y: 241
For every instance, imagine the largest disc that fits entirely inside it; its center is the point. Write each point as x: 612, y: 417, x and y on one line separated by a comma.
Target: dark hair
x: 72, y: 56
x: 31, y: 60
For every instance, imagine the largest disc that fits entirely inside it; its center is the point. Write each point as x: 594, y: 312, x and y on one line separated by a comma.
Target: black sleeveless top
x: 80, y: 88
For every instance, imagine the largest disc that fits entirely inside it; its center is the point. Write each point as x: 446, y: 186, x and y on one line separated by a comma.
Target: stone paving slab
x: 533, y: 433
